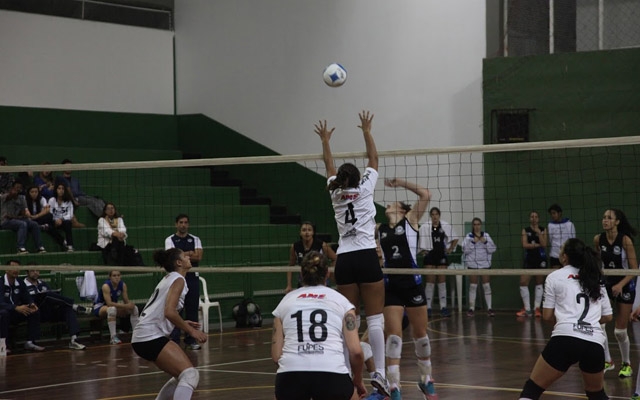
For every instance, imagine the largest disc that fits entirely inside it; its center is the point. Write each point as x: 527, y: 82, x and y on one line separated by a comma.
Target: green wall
x: 92, y: 129
x: 574, y: 96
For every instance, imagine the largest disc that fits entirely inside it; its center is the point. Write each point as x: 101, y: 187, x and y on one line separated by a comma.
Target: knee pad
x: 366, y: 349
x: 531, y: 390
x: 599, y: 395
x: 423, y: 347
x: 621, y: 335
x: 112, y: 312
x: 189, y: 377
x: 375, y: 321
x: 394, y: 346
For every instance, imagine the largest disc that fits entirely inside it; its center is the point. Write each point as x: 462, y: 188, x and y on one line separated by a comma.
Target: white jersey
x: 355, y: 213
x: 152, y: 323
x: 576, y: 314
x: 312, y: 319
x: 559, y: 232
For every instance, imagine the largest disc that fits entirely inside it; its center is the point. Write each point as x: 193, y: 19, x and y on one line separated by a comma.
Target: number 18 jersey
x: 576, y: 314
x: 312, y: 319
x: 355, y: 213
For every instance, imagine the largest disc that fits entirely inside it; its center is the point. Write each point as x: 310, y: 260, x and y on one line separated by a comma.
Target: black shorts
x: 150, y: 349
x: 405, y: 297
x: 435, y: 258
x: 628, y: 295
x: 563, y: 351
x: 360, y: 266
x: 553, y: 262
x: 304, y: 385
x: 535, y: 263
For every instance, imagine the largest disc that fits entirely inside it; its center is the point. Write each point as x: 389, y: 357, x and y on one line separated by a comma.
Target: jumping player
x: 357, y: 272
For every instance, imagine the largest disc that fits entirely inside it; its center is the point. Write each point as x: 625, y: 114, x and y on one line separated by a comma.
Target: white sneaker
x: 33, y: 346
x: 76, y: 346
x: 194, y: 346
x: 381, y: 383
x: 115, y: 340
x: 70, y: 249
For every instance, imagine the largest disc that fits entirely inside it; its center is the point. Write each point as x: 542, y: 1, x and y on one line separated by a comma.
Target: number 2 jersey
x: 576, y: 314
x: 312, y: 320
x: 152, y: 323
x: 355, y: 213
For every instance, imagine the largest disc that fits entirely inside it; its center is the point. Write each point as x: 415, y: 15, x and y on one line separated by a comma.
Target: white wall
x: 256, y: 66
x: 53, y: 62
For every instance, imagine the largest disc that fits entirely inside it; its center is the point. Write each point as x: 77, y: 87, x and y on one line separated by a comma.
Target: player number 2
x: 315, y: 325
x: 580, y: 296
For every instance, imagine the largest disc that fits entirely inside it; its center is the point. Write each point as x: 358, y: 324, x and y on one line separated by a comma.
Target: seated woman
x: 112, y: 234
x: 40, y: 212
x: 62, y: 210
x: 107, y: 305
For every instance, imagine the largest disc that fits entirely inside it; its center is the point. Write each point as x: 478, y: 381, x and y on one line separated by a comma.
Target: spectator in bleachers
x: 54, y: 306
x: 39, y: 211
x: 6, y: 179
x: 112, y: 234
x: 26, y: 178
x: 45, y: 182
x: 62, y: 210
x: 107, y: 304
x: 14, y: 216
x: 94, y: 204
x: 19, y: 306
x: 192, y: 247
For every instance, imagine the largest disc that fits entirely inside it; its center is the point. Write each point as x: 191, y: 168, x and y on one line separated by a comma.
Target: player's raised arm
x: 372, y: 152
x: 325, y: 136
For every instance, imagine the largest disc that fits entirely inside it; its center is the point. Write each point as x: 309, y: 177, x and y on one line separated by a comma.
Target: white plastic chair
x: 204, y: 305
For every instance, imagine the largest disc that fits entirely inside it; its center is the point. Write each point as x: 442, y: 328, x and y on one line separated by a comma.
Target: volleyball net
x: 247, y: 211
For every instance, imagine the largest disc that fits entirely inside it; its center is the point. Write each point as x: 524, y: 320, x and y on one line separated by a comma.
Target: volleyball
x: 251, y: 308
x: 334, y: 75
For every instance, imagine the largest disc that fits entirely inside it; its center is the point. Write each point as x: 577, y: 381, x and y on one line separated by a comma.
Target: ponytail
x: 167, y: 258
x: 586, y: 260
x: 314, y: 268
x: 347, y: 176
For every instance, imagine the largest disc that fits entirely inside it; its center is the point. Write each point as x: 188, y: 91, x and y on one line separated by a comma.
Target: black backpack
x: 247, y: 314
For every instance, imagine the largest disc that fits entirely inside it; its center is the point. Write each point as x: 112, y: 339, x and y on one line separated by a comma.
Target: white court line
x: 30, y: 388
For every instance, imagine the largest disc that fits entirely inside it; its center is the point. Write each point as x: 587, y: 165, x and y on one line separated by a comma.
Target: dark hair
x: 13, y: 261
x: 555, y: 207
x: 476, y: 219
x: 104, y: 210
x: 66, y: 161
x: 314, y: 268
x: 167, y: 258
x: 624, y: 226
x: 67, y: 193
x: 348, y: 176
x: 534, y: 211
x: 404, y: 206
x: 36, y: 201
x: 3, y: 159
x: 586, y: 260
x: 180, y: 216
x: 435, y: 209
x: 311, y: 224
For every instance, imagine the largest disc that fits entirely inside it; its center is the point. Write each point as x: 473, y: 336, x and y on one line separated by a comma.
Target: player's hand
x: 322, y: 131
x: 391, y: 182
x: 362, y: 391
x: 199, y: 336
x: 616, y: 290
x: 365, y: 121
x: 634, y: 315
x: 193, y: 324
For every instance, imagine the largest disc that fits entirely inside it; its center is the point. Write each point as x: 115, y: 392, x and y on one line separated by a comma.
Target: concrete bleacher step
x: 180, y: 176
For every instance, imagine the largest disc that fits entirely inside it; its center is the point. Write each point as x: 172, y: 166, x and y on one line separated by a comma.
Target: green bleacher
x: 149, y: 199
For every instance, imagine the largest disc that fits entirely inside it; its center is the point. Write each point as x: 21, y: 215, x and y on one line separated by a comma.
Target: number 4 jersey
x: 312, y: 319
x: 356, y: 213
x: 576, y: 314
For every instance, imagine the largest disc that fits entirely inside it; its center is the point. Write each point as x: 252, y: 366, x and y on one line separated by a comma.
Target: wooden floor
x: 473, y: 358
